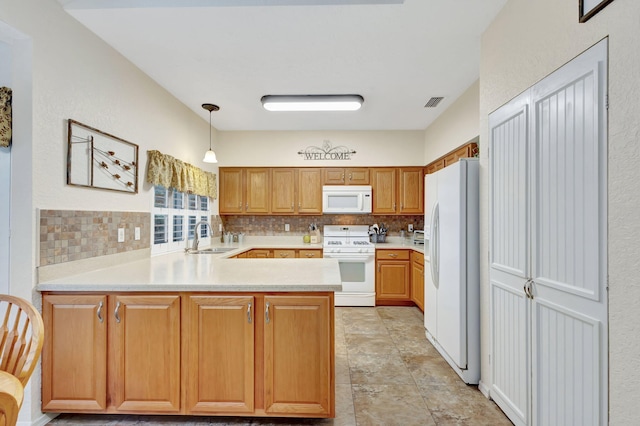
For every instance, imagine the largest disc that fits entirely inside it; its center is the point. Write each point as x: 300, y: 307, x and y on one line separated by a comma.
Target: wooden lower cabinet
x: 393, y: 277
x: 245, y: 354
x: 220, y: 361
x: 76, y: 354
x: 141, y: 327
x: 417, y: 279
x: 298, y: 354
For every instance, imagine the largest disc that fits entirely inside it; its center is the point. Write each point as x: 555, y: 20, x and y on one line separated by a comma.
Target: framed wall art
x: 96, y: 159
x: 588, y: 8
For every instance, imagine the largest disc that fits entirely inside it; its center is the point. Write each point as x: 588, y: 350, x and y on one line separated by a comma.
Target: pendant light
x: 210, y: 156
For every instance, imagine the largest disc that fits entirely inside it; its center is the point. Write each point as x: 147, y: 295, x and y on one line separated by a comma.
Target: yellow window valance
x: 5, y: 116
x: 169, y: 172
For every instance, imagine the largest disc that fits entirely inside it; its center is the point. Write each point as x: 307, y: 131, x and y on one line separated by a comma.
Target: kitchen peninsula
x: 198, y: 334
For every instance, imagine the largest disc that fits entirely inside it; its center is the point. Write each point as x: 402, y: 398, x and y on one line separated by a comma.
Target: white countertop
x: 205, y: 272
x: 210, y: 272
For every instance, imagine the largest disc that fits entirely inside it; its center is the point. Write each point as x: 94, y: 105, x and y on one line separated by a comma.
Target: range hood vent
x: 433, y: 102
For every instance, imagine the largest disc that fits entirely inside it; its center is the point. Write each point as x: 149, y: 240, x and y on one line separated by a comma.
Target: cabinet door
x: 283, y: 190
x: 417, y: 280
x: 393, y: 281
x: 298, y: 355
x: 462, y: 152
x: 357, y: 176
x: 220, y: 342
x: 141, y: 328
x: 411, y: 191
x: 435, y: 166
x: 384, y: 191
x: 309, y: 191
x: 231, y: 191
x: 333, y: 176
x: 257, y: 191
x: 74, y: 355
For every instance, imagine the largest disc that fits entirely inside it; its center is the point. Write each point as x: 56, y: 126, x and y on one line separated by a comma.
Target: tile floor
x: 387, y: 373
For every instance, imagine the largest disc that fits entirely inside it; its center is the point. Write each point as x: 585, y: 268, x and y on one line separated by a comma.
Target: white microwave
x: 346, y: 199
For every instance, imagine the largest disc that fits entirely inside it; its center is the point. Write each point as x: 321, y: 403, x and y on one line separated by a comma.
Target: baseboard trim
x: 484, y: 389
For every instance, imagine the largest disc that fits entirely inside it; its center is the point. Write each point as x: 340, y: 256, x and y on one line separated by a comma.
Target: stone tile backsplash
x: 299, y: 225
x: 68, y: 235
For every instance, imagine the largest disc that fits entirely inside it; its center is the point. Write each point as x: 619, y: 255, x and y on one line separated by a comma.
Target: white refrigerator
x: 452, y: 283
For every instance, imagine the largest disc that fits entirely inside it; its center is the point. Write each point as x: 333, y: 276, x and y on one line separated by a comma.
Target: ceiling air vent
x: 433, y: 102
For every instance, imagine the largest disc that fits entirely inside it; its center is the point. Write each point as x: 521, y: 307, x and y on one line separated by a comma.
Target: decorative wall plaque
x: 327, y: 152
x: 96, y: 159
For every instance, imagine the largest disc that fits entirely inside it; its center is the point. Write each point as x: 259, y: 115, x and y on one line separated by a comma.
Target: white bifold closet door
x: 548, y: 248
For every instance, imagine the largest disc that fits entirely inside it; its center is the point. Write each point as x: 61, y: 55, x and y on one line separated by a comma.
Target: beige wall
x: 456, y: 126
x: 273, y: 148
x: 527, y: 41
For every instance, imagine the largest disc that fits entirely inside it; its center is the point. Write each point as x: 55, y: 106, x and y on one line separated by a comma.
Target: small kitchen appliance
x: 350, y: 245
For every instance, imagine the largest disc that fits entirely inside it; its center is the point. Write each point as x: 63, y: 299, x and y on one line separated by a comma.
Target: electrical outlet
x: 286, y: 227
x: 121, y: 235
x: 410, y: 227
x: 137, y: 233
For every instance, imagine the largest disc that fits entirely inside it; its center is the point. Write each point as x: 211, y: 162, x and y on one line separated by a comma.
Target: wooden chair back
x: 21, y: 337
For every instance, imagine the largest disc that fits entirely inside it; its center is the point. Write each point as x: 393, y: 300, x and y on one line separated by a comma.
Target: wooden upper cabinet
x: 346, y: 176
x: 283, y: 190
x: 258, y: 188
x: 464, y: 151
x: 310, y: 191
x: 220, y: 339
x: 74, y: 355
x: 384, y: 187
x: 411, y: 191
x: 231, y: 191
x: 434, y: 166
x: 140, y: 328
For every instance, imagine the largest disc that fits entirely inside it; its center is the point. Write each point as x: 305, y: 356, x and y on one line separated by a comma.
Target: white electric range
x: 356, y: 257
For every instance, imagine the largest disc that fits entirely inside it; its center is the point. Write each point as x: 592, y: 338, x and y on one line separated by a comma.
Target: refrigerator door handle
x: 433, y: 249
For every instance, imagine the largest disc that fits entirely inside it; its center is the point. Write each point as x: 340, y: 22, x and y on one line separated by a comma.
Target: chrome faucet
x: 196, y: 241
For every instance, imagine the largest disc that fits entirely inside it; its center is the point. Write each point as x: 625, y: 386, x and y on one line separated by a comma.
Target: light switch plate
x: 121, y: 235
x: 286, y: 227
x: 137, y: 233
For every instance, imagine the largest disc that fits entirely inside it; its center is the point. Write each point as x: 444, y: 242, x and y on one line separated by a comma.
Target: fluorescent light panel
x: 312, y: 102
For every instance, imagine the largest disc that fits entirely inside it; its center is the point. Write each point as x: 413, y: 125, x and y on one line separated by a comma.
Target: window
x: 175, y: 215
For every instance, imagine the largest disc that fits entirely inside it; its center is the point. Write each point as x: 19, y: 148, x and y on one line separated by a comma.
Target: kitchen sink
x: 214, y: 250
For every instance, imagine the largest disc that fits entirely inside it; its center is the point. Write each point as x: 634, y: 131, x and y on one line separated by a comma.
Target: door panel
x: 509, y: 259
x: 569, y: 244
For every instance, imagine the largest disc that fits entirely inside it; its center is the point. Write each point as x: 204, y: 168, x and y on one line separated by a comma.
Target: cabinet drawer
x: 392, y: 254
x: 284, y: 254
x: 311, y: 254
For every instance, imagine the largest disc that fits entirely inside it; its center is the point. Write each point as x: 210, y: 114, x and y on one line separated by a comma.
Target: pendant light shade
x: 210, y: 156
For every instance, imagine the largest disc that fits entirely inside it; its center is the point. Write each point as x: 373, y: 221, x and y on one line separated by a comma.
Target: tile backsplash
x: 298, y: 225
x: 68, y: 235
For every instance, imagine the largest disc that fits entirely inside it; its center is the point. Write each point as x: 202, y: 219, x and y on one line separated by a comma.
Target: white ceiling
x: 396, y: 54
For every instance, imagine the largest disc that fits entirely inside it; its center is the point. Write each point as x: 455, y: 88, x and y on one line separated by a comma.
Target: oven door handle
x: 351, y: 257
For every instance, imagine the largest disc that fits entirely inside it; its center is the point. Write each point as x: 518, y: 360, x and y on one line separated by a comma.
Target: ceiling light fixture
x: 210, y: 156
x: 312, y: 102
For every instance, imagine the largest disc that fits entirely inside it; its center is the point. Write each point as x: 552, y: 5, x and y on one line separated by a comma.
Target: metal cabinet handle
x: 393, y: 255
x: 117, y: 312
x: 266, y: 313
x: 99, y: 312
x: 299, y: 205
x: 284, y: 254
x: 528, y: 290
x: 247, y: 206
x: 309, y: 255
x: 349, y: 176
x: 291, y: 206
x: 394, y: 206
x: 401, y: 206
x: 249, y: 313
